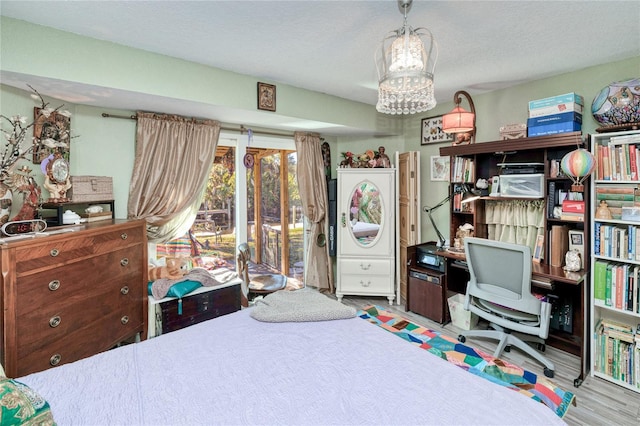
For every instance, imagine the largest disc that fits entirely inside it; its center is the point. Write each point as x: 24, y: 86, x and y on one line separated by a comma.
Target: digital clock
x: 18, y: 227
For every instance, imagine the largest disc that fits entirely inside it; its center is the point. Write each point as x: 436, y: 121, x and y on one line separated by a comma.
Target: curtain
x: 312, y: 185
x: 172, y: 162
x: 515, y: 221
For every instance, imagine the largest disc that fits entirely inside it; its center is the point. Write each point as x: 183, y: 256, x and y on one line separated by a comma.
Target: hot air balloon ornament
x: 578, y: 165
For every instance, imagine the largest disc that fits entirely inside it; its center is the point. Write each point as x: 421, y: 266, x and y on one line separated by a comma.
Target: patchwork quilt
x: 473, y: 360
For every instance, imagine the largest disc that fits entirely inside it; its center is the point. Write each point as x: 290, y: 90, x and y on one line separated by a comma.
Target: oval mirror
x: 365, y: 213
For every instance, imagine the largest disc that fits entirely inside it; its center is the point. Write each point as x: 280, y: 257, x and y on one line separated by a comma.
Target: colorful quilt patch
x: 473, y: 360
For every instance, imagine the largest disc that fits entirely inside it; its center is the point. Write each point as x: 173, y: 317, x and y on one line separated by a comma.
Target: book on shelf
x: 559, y: 241
x: 599, y: 280
x: 618, y: 159
x: 575, y: 217
x: 603, y: 189
x: 572, y: 206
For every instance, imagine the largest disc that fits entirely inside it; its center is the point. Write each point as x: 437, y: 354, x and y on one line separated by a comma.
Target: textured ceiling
x: 328, y: 46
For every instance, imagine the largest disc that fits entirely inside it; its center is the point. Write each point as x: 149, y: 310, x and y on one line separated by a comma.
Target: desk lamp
x: 467, y: 196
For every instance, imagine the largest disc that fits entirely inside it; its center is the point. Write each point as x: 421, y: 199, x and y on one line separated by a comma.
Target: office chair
x: 258, y: 285
x: 499, y: 291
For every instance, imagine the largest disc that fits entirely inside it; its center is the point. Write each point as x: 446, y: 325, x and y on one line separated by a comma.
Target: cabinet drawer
x: 87, y: 339
x: 81, y: 280
x: 199, y: 307
x: 366, y: 284
x: 62, y: 250
x: 45, y: 325
x: 366, y: 266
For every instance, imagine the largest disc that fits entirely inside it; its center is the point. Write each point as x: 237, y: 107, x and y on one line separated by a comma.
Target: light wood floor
x: 598, y: 402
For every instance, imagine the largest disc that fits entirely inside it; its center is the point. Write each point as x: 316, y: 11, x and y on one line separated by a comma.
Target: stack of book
x: 557, y: 114
x: 617, y: 353
x: 617, y: 197
x: 618, y: 159
x: 615, y: 285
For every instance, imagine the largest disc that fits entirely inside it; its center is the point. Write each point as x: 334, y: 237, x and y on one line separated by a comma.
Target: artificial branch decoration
x: 16, y: 135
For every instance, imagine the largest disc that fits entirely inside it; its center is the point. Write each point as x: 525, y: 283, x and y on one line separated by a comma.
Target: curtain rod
x: 242, y: 130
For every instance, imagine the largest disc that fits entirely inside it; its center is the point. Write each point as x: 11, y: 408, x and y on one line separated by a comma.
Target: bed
x: 237, y: 370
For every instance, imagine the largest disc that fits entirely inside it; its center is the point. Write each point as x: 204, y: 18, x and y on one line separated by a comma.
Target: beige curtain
x: 312, y: 185
x: 515, y: 221
x: 172, y: 163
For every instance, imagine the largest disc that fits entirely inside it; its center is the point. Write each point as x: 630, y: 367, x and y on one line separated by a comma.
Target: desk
x: 565, y: 287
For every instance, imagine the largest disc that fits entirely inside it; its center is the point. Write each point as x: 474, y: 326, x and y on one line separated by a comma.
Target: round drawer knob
x: 124, y: 262
x: 124, y: 319
x: 54, y: 252
x: 124, y: 290
x: 54, y: 285
x: 124, y: 236
x: 55, y: 321
x: 55, y: 359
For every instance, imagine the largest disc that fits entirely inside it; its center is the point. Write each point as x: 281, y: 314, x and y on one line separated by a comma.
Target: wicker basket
x: 91, y: 188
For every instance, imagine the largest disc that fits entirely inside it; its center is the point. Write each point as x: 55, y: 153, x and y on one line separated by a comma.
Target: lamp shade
x: 578, y: 164
x: 458, y: 120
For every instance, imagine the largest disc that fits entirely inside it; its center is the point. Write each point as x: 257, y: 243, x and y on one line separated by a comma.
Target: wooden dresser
x: 73, y: 293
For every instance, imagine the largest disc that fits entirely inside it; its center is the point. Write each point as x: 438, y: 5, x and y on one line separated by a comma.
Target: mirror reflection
x: 365, y: 213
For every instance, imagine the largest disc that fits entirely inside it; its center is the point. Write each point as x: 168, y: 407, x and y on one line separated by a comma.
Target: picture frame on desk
x: 538, y: 250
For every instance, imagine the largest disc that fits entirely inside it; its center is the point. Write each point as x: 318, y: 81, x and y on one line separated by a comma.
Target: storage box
x: 555, y: 118
x: 555, y: 100
x: 91, y: 188
x: 556, y: 109
x: 461, y: 318
x: 513, y: 131
x: 555, y: 128
x: 522, y: 186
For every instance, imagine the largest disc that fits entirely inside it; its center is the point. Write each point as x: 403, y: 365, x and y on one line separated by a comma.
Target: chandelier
x: 405, y: 67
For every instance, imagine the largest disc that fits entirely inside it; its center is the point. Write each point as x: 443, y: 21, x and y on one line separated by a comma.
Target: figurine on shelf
x: 383, y: 159
x: 603, y: 212
x: 20, y: 180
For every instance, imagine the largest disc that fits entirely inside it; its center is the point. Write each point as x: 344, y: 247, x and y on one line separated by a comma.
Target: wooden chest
x: 90, y: 188
x: 203, y: 304
x: 78, y: 291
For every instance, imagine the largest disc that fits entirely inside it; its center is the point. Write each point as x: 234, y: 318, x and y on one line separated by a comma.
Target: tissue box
x: 90, y: 189
x: 459, y: 316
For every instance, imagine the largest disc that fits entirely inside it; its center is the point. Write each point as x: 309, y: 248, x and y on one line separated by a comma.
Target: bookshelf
x: 567, y: 291
x: 615, y: 265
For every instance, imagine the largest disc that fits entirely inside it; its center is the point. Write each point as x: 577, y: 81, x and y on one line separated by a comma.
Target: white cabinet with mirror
x: 366, y: 233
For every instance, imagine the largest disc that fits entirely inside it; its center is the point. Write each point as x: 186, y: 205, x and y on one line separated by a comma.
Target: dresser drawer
x: 61, y: 249
x: 86, y: 340
x: 366, y: 284
x: 366, y: 266
x: 199, y: 307
x: 50, y: 322
x: 81, y: 279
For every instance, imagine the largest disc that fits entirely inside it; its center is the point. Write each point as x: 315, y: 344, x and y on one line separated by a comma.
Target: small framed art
x: 538, y: 250
x: 266, y: 96
x: 439, y: 168
x: 432, y: 131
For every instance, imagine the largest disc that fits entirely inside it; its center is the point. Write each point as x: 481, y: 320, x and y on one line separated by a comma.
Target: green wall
x: 105, y: 147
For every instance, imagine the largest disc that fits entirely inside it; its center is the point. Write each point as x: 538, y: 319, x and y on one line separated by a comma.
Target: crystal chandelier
x: 405, y: 69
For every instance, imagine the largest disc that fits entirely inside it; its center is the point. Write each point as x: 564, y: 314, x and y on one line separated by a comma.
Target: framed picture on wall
x: 266, y: 96
x: 440, y: 168
x: 432, y: 131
